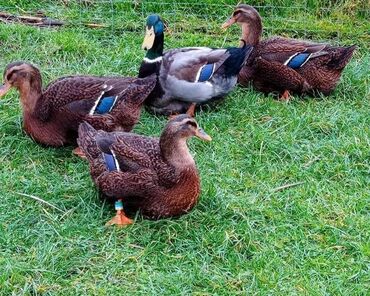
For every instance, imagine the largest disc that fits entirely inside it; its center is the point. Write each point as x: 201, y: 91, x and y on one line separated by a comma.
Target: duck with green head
x: 188, y: 75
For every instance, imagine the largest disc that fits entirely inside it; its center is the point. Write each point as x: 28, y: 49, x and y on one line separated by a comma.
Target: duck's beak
x: 201, y: 134
x: 148, y: 39
x: 228, y: 23
x: 4, y: 89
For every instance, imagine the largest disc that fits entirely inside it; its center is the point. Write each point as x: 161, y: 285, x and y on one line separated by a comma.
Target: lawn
x: 247, y: 235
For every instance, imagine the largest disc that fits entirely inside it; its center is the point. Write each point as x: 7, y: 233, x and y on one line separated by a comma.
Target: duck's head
x: 184, y: 126
x: 21, y: 75
x: 173, y: 139
x: 249, y: 19
x: 154, y: 28
x: 243, y: 14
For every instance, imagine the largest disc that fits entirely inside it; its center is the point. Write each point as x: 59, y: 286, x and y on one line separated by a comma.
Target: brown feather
x: 150, y: 179
x: 52, y: 116
x: 320, y: 74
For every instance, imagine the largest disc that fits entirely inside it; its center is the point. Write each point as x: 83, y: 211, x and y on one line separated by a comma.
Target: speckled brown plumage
x: 52, y: 116
x: 157, y: 176
x: 266, y: 68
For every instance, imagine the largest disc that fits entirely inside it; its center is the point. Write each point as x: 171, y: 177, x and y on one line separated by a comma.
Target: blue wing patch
x: 206, y: 72
x: 110, y: 162
x: 105, y: 105
x: 298, y: 60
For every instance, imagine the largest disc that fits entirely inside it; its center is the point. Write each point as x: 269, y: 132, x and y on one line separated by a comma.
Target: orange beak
x: 4, y: 89
x: 201, y: 134
x: 228, y: 23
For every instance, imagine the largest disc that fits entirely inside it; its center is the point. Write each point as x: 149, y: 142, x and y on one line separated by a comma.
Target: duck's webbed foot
x: 285, y: 96
x: 78, y: 152
x: 120, y: 218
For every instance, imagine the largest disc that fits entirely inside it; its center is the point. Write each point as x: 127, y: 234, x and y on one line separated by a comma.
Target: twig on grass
x: 286, y: 186
x: 93, y: 25
x: 30, y: 20
x: 41, y: 20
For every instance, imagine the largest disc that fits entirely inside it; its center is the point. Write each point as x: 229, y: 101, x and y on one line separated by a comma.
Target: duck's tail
x: 341, y: 56
x: 237, y: 58
x: 87, y: 141
x: 129, y: 110
x: 138, y: 92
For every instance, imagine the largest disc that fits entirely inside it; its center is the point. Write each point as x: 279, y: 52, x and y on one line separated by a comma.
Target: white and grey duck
x: 190, y: 75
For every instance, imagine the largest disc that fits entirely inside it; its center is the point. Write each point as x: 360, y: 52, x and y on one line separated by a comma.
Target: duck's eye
x: 192, y: 123
x: 236, y: 13
x: 9, y: 76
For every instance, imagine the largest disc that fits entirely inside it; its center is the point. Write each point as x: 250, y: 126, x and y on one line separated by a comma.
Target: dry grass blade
x: 286, y: 186
x: 30, y: 20
x: 40, y: 200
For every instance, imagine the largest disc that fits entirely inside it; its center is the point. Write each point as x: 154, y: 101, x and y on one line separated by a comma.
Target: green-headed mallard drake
x: 287, y: 65
x: 52, y: 116
x: 156, y: 176
x: 187, y: 75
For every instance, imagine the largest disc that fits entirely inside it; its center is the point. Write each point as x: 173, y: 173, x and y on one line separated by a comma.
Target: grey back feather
x: 180, y: 68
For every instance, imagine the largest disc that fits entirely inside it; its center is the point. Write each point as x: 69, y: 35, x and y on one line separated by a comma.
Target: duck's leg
x: 191, y: 110
x: 120, y: 218
x: 78, y: 152
x: 285, y: 96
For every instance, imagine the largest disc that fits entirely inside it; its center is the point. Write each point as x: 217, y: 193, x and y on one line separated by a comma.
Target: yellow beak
x: 201, y: 134
x: 228, y: 23
x: 148, y: 39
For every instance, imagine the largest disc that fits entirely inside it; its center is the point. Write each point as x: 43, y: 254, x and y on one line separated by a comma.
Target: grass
x: 245, y: 236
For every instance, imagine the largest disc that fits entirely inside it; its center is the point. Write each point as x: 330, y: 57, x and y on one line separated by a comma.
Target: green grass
x: 244, y: 237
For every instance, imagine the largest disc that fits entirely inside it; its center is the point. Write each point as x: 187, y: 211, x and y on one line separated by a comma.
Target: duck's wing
x: 129, y: 152
x: 128, y: 108
x: 200, y: 74
x: 278, y: 76
x: 123, y: 164
x: 193, y: 64
x: 290, y: 52
x: 105, y: 169
x: 89, y: 95
x: 185, y: 73
x: 134, y: 153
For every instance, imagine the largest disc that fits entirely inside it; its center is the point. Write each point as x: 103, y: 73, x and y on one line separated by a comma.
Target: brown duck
x: 156, y: 176
x: 52, y: 116
x: 287, y: 65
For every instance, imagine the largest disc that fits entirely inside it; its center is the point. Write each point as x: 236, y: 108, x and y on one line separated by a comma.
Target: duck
x: 51, y: 116
x: 156, y: 176
x: 189, y: 75
x: 284, y: 65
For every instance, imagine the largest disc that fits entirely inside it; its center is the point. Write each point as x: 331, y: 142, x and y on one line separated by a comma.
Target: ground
x: 247, y: 235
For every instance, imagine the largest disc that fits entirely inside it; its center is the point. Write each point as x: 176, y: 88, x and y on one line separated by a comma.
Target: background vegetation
x: 246, y: 236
